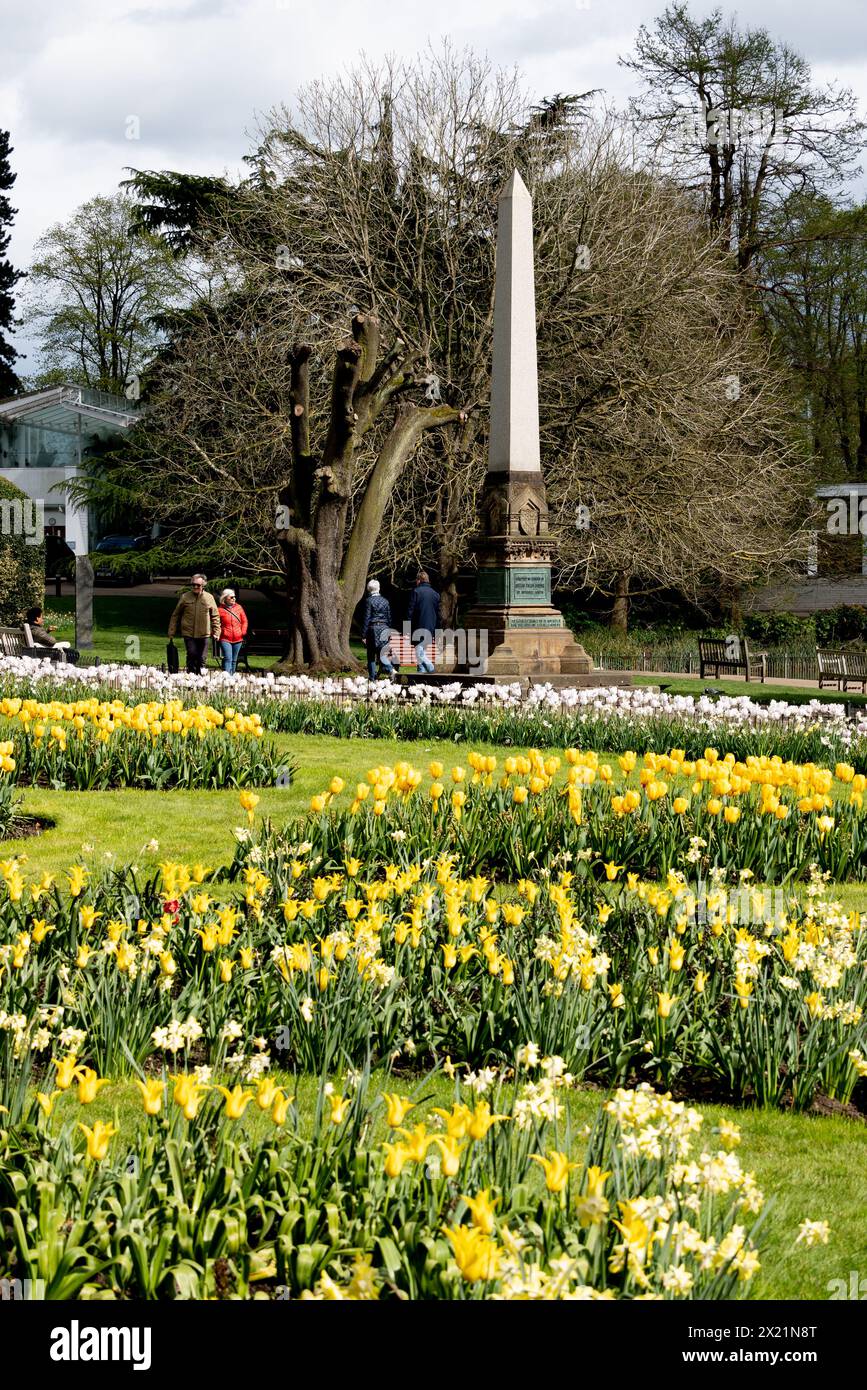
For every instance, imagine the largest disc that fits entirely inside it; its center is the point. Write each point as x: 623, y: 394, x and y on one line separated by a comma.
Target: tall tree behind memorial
x: 735, y: 116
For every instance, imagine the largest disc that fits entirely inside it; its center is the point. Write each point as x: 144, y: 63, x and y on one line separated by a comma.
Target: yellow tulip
x: 482, y: 1210
x: 89, y: 1084
x: 481, y: 1120
x: 152, y: 1095
x: 665, y: 1002
x: 98, y: 1139
x: 476, y: 1255
x: 236, y: 1100
x: 397, y: 1108
x: 188, y: 1094
x: 280, y: 1107
x: 396, y: 1156
x: 450, y: 1155
x: 46, y: 1103
x: 339, y: 1107
x: 557, y: 1169
x: 67, y: 1069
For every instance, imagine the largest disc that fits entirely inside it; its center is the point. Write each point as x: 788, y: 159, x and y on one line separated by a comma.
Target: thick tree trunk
x: 448, y: 590
x: 620, y: 609
x: 326, y: 570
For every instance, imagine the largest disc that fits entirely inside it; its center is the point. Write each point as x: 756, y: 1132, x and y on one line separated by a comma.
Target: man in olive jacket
x: 197, y: 619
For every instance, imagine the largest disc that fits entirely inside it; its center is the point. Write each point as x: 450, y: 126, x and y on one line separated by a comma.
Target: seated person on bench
x: 42, y: 634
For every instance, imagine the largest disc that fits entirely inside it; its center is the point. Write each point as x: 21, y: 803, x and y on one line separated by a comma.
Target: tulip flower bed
x: 92, y: 745
x: 511, y: 930
x: 481, y: 1199
x: 698, y: 813
x: 600, y: 717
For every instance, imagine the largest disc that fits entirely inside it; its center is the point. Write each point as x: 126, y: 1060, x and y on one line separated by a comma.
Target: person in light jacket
x: 233, y: 629
x: 197, y: 618
x: 376, y: 630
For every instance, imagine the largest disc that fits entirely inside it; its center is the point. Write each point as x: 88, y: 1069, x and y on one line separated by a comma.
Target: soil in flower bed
x: 26, y: 827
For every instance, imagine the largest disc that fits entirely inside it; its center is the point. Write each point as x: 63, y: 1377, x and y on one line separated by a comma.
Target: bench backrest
x: 856, y: 664
x: 832, y: 663
x: 276, y: 637
x: 402, y: 652
x: 715, y: 649
x: 12, y: 641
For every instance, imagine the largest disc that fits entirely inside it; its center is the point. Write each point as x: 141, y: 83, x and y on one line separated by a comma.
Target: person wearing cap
x: 233, y: 629
x: 376, y: 630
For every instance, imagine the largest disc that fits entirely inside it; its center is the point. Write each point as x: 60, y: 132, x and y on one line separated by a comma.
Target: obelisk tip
x: 515, y: 187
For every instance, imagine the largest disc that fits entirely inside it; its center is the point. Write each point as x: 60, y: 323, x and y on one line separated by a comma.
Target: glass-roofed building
x: 44, y: 438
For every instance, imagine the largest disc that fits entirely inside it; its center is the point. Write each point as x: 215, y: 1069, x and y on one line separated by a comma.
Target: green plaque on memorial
x: 530, y: 585
x: 492, y: 586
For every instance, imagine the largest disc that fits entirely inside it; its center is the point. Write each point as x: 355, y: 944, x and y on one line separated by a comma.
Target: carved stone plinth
x: 526, y: 634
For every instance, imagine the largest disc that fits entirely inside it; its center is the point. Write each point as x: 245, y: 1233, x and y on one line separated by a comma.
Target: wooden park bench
x: 716, y: 656
x: 18, y: 641
x: 259, y: 641
x: 401, y: 652
x: 842, y: 669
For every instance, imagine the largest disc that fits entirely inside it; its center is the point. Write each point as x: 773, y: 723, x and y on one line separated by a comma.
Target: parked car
x: 118, y: 545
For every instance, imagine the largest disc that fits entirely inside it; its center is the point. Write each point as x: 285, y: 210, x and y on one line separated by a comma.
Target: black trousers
x: 196, y: 648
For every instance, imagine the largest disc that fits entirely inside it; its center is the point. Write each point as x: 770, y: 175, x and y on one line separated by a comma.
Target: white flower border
x: 632, y: 703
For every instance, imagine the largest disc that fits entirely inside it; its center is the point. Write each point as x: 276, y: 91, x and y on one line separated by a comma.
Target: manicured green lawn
x: 197, y: 826
x: 133, y: 627
x: 808, y: 1168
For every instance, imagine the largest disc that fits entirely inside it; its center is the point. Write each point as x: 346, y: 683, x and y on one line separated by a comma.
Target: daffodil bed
x: 479, y: 1199
x: 95, y: 744
x: 520, y: 943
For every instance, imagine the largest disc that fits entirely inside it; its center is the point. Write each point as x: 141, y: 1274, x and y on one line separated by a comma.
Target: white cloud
x: 195, y: 72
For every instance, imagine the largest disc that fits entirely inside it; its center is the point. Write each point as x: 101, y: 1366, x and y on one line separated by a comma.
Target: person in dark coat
x: 376, y: 630
x: 424, y: 618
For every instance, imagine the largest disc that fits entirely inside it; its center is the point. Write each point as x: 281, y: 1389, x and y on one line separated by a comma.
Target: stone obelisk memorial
x: 526, y: 634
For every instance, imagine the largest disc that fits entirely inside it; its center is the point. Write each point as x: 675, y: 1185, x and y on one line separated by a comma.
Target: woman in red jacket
x: 233, y: 629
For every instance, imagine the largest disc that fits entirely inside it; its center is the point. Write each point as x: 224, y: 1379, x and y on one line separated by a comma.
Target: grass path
x: 197, y: 825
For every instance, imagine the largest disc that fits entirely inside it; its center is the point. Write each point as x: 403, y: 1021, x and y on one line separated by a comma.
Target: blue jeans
x: 230, y: 652
x: 421, y: 656
x: 375, y: 652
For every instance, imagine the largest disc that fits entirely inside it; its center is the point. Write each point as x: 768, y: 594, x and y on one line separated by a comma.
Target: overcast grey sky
x: 195, y: 72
